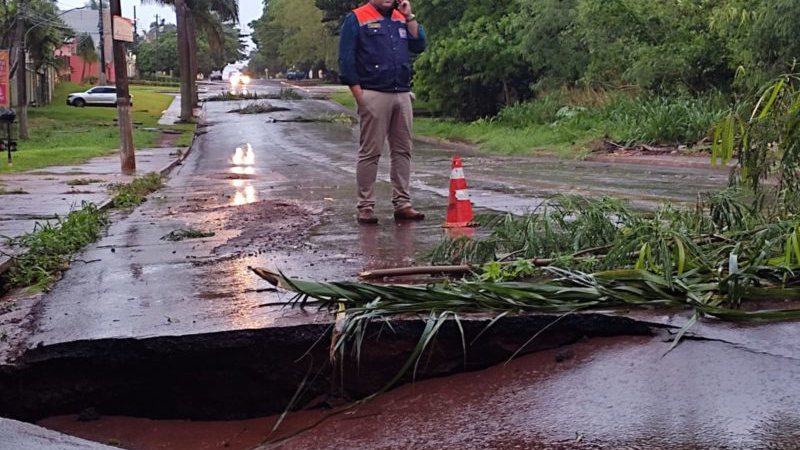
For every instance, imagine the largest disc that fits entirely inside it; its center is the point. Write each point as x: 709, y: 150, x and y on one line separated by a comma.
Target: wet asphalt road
x: 281, y: 195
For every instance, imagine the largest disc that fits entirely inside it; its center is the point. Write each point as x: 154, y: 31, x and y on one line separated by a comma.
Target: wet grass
x: 48, y: 249
x: 568, y: 123
x: 130, y: 195
x: 346, y: 119
x: 289, y: 94
x: 499, y: 139
x: 65, y: 135
x: 187, y: 133
x: 344, y: 98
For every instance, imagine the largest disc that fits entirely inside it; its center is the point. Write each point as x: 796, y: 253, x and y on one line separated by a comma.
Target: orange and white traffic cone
x: 459, y: 211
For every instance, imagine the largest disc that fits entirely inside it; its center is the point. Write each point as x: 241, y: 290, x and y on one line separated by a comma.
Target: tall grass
x: 661, y: 120
x: 565, y: 121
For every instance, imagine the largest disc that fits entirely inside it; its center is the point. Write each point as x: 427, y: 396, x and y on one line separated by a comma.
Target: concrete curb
x: 7, y: 262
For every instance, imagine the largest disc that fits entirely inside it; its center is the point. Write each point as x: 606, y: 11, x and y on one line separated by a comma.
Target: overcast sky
x: 248, y: 10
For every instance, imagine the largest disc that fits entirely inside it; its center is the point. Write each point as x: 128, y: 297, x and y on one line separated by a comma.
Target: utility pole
x: 135, y: 30
x: 101, y: 27
x: 126, y: 150
x: 158, y: 26
x: 22, y: 73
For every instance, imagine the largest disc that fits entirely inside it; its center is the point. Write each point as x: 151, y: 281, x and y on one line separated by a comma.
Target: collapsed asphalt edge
x: 256, y: 372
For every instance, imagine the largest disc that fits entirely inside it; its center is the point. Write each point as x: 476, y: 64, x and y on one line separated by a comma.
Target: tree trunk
x: 22, y: 85
x: 192, y: 36
x: 183, y: 61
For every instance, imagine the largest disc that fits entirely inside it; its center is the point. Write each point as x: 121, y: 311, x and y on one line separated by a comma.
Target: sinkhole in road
x: 253, y: 373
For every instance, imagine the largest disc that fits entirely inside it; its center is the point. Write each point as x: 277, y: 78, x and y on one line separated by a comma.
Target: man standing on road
x: 375, y: 49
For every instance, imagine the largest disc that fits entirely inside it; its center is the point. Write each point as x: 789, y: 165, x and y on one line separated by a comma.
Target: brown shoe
x: 408, y: 213
x: 367, y: 217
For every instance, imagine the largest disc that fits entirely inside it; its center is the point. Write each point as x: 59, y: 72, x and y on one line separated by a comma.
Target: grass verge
x: 50, y: 246
x: 64, y: 135
x: 567, y: 123
x: 130, y: 195
x: 344, y: 98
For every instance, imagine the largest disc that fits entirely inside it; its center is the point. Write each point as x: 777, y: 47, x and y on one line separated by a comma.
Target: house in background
x: 74, y: 67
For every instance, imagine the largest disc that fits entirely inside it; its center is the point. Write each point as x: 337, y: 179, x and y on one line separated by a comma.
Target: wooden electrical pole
x: 22, y: 73
x: 126, y: 150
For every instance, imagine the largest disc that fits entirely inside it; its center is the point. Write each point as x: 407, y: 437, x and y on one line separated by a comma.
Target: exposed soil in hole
x: 363, y: 427
x: 250, y: 373
x: 603, y: 393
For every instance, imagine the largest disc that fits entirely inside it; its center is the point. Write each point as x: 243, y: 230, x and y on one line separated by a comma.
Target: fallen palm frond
x: 567, y: 291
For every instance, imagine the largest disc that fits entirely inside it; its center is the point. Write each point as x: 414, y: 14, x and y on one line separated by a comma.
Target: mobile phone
x: 397, y: 4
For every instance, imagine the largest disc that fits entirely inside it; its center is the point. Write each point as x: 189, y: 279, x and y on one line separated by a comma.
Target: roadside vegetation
x: 63, y: 135
x: 133, y: 194
x: 48, y: 249
x: 563, y: 76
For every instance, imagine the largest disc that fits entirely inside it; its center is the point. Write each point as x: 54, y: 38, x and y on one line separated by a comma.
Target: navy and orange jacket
x: 375, y: 50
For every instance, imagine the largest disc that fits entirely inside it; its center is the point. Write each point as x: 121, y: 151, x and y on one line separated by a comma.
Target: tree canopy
x: 486, y: 54
x: 291, y: 34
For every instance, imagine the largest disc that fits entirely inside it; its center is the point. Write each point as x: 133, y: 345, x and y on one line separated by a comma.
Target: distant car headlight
x: 245, y: 79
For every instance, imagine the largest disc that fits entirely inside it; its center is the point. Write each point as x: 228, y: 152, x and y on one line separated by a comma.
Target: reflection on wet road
x: 243, y: 161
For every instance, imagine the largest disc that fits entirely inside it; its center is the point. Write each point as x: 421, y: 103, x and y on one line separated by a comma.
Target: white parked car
x: 96, y: 96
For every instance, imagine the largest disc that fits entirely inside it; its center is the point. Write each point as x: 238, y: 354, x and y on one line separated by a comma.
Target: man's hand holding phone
x: 403, y: 6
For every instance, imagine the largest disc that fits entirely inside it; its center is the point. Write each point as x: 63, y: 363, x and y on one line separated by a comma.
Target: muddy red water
x: 604, y: 393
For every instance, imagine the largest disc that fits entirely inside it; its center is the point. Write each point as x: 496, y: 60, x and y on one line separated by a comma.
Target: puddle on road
x: 243, y: 161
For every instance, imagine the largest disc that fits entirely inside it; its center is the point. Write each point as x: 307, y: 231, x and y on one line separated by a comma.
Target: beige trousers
x: 384, y: 116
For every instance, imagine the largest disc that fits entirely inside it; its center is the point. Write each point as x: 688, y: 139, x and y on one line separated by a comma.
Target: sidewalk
x: 24, y: 436
x: 55, y: 191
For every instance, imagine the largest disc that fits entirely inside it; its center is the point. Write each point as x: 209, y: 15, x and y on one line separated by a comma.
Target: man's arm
x: 348, y: 41
x: 417, y: 41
